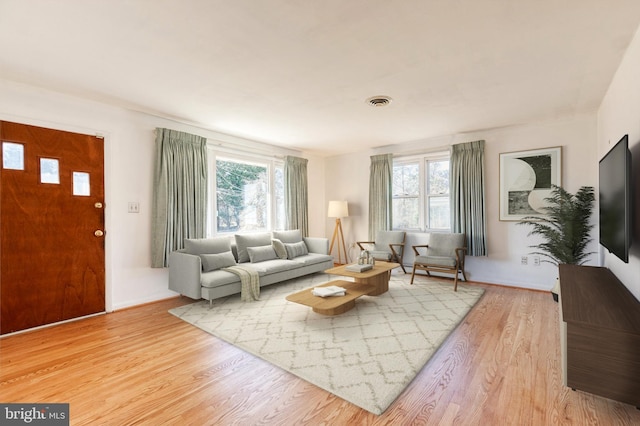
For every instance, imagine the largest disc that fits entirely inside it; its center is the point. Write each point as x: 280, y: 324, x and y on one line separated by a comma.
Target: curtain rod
x: 227, y: 149
x: 247, y: 146
x: 427, y: 151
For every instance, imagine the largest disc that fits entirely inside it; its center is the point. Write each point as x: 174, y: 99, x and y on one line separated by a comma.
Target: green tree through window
x: 241, y: 196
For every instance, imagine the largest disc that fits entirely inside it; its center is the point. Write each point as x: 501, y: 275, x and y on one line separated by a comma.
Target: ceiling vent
x: 379, y: 101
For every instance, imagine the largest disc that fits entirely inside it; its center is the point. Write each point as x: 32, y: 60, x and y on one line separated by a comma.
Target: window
x: 406, y: 195
x: 421, y: 193
x: 12, y: 156
x: 437, y: 195
x: 81, y: 184
x: 49, y: 170
x: 278, y: 195
x: 249, y: 194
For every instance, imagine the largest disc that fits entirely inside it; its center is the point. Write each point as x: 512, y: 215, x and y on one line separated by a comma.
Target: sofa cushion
x: 279, y: 247
x: 384, y: 238
x: 261, y: 253
x: 207, y: 245
x: 274, y: 266
x: 441, y: 244
x: 288, y: 237
x: 250, y: 240
x: 444, y: 261
x: 218, y: 278
x: 312, y: 259
x: 296, y: 249
x: 211, y: 262
x: 380, y: 255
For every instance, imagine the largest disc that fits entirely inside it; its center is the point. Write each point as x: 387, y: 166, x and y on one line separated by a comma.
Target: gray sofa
x: 196, y: 271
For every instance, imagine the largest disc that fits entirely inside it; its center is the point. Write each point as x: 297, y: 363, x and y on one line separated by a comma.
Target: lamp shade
x: 338, y: 209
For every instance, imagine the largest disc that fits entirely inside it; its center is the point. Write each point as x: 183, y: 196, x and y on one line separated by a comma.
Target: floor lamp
x: 338, y: 209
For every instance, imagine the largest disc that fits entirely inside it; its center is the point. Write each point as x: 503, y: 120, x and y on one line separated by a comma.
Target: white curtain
x: 180, y: 193
x: 380, y: 193
x: 467, y: 195
x: 296, y: 194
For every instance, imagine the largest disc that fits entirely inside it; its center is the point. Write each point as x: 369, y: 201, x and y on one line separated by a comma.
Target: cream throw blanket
x: 250, y: 282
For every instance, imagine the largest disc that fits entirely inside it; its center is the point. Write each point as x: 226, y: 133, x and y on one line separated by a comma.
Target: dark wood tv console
x: 600, y: 333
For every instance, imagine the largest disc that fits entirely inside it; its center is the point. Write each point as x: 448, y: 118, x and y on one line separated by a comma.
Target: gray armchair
x: 388, y: 246
x: 444, y: 253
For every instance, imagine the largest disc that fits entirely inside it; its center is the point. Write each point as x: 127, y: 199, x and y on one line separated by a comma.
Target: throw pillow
x: 296, y: 249
x: 250, y: 240
x: 262, y: 253
x: 211, y: 262
x: 279, y: 247
x: 207, y: 245
x: 288, y: 237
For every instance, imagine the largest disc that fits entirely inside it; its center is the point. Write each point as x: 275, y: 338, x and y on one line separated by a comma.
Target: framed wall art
x: 526, y: 179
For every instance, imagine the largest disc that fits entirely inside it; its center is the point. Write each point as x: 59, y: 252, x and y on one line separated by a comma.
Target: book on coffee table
x: 329, y: 291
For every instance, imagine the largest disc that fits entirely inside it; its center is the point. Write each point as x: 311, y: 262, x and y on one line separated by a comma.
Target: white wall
x: 348, y: 177
x: 619, y: 114
x: 129, y: 157
x: 129, y: 154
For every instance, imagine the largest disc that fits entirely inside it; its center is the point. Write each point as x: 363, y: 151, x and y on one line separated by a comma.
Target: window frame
x: 270, y: 162
x: 421, y: 190
x: 424, y: 197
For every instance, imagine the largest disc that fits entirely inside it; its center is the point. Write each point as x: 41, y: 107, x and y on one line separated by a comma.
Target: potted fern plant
x: 565, y: 228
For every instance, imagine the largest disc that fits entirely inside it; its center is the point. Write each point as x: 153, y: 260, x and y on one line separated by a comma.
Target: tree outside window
x: 241, y: 196
x: 406, y: 196
x: 278, y: 196
x: 438, y: 194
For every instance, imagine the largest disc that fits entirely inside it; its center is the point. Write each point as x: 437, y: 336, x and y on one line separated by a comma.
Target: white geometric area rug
x: 366, y: 356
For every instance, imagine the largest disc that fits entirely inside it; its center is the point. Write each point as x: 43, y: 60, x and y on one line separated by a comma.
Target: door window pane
x: 49, y: 171
x: 81, y: 185
x: 12, y: 156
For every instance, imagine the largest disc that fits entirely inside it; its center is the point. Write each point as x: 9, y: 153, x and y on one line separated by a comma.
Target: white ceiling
x: 297, y: 73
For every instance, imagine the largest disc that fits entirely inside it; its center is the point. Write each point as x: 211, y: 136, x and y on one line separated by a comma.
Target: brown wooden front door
x: 52, y: 263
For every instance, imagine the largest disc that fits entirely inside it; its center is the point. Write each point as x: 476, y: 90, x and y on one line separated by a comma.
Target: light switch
x: 134, y: 207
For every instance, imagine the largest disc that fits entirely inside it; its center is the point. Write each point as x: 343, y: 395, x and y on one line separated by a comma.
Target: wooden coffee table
x: 373, y: 282
x: 378, y: 276
x: 332, y: 305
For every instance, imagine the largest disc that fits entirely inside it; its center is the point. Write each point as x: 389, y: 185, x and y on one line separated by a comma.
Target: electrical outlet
x: 134, y: 207
x: 536, y: 260
x: 524, y: 260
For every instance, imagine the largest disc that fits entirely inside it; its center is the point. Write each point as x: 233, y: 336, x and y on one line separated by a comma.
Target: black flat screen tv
x: 615, y: 200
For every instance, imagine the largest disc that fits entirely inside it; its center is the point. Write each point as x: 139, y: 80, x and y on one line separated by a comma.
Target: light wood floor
x: 144, y: 366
